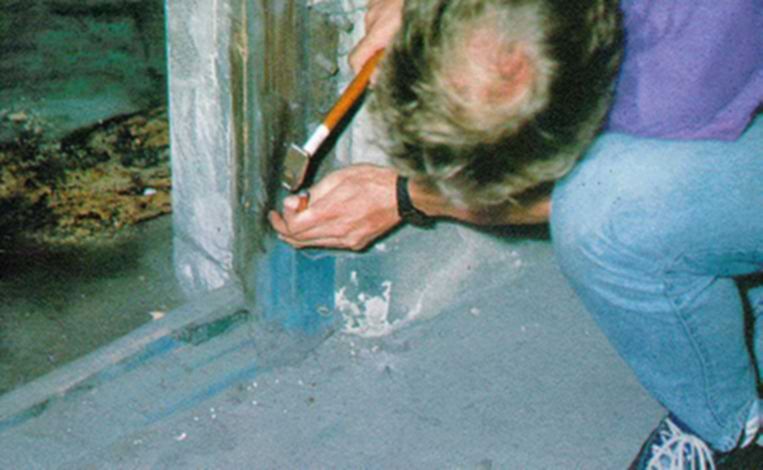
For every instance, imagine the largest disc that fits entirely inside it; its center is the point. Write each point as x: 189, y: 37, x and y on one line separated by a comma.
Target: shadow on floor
x: 56, y: 306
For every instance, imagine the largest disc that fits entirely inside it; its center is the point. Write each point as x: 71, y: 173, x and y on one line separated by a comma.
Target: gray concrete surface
x: 59, y: 304
x: 507, y: 372
x: 69, y: 64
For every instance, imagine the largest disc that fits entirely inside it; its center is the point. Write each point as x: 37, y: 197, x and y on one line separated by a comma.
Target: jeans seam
x: 698, y: 350
x: 740, y: 417
x: 705, y: 369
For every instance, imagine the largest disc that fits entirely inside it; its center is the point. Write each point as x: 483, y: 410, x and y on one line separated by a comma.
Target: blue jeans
x: 654, y: 235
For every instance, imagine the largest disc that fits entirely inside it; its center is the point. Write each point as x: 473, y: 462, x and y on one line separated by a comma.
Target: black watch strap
x: 408, y: 213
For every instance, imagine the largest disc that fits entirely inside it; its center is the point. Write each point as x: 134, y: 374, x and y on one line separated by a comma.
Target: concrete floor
x: 58, y: 305
x: 474, y: 354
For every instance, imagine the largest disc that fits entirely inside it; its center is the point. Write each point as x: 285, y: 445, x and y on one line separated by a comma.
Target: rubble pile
x: 89, y: 186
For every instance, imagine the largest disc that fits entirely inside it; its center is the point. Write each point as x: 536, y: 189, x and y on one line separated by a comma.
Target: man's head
x: 485, y: 99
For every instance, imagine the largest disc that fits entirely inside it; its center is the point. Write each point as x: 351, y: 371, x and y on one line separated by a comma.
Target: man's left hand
x: 348, y: 209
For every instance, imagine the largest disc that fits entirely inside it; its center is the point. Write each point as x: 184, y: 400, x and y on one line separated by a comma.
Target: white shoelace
x: 680, y: 451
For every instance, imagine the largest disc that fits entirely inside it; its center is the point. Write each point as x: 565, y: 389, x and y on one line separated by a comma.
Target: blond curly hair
x: 486, y: 99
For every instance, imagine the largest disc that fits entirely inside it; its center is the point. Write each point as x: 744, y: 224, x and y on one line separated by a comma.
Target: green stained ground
x: 58, y: 305
x: 68, y: 65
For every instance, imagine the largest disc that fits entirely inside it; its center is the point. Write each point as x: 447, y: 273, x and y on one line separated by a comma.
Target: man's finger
x: 278, y: 223
x: 326, y: 185
x: 307, y: 227
x: 286, y: 231
x: 326, y: 243
x: 311, y: 223
x: 359, y: 54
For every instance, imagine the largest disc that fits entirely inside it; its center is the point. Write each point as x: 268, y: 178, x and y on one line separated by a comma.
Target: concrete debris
x: 157, y: 315
x: 18, y: 117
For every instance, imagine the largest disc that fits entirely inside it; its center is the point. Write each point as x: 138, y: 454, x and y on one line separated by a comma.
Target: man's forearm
x: 535, y: 210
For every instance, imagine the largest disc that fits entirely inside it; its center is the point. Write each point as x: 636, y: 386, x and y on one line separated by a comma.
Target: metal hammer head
x: 295, y: 167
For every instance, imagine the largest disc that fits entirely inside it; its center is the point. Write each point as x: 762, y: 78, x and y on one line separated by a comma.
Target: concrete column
x: 204, y: 153
x: 246, y: 78
x: 235, y: 95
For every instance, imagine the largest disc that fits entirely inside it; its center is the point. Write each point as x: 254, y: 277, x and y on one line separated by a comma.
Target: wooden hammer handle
x: 353, y: 91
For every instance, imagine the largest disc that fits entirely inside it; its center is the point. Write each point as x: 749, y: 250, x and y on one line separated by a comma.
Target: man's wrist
x: 406, y: 210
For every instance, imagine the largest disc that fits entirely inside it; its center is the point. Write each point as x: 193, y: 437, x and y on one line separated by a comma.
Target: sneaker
x: 672, y: 447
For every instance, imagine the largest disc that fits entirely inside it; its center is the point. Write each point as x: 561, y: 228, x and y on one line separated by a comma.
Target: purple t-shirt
x: 692, y: 69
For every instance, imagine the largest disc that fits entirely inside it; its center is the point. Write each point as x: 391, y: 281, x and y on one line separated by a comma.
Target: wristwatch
x: 405, y: 209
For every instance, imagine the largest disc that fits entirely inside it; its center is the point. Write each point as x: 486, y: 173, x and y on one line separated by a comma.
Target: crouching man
x: 632, y: 128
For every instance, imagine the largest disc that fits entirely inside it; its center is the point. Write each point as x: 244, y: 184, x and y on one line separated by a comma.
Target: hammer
x: 298, y: 158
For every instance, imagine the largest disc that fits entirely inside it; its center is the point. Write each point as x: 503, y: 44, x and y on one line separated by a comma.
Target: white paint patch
x: 368, y: 315
x: 157, y: 314
x: 388, y: 293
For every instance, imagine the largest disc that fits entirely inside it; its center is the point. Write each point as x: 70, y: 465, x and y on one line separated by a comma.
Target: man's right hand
x: 382, y: 22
